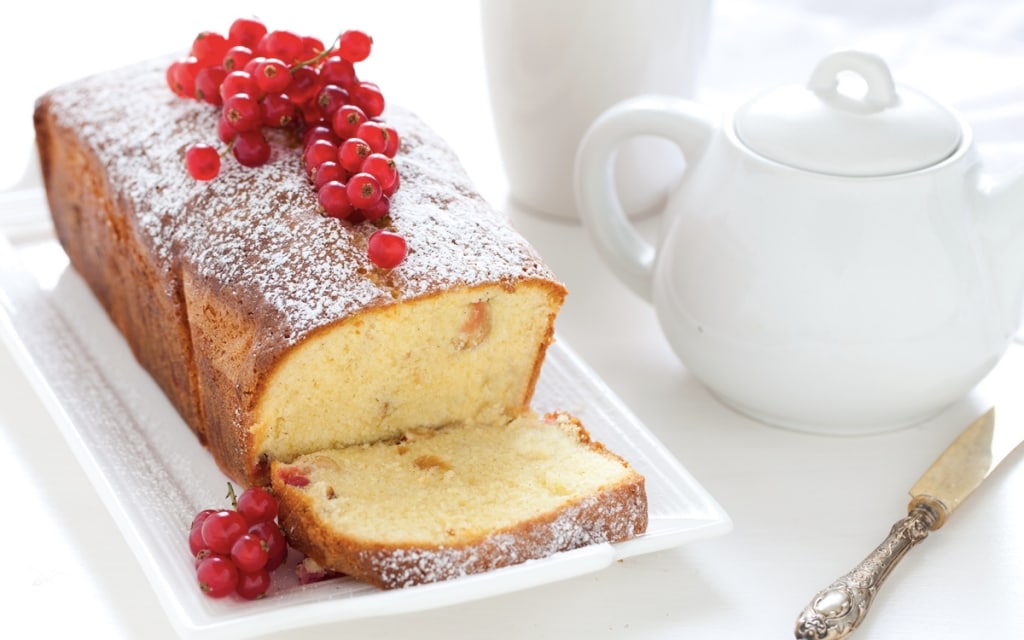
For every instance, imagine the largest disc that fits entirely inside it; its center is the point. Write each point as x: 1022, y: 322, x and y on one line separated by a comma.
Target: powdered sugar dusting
x: 257, y: 234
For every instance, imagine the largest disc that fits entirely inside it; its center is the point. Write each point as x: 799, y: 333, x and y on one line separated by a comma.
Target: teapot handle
x: 687, y: 124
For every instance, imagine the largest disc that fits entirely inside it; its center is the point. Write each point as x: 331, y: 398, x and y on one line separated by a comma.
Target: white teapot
x: 830, y: 262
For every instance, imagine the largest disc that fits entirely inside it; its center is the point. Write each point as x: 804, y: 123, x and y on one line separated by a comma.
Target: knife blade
x: 836, y: 611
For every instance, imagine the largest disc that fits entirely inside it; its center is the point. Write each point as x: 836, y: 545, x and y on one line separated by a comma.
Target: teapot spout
x: 1002, y: 224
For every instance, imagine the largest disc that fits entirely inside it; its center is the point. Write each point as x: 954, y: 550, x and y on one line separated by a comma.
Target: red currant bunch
x: 263, y: 79
x: 236, y: 549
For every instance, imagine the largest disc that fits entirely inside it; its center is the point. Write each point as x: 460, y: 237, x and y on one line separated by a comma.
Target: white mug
x: 553, y: 66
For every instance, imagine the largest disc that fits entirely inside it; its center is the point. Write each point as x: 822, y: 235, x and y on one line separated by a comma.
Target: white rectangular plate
x: 154, y: 476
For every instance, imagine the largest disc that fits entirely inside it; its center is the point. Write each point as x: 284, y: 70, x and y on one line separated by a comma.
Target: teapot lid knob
x: 880, y: 88
x: 824, y: 128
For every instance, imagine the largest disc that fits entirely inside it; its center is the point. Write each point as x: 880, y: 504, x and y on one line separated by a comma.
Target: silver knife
x: 837, y: 610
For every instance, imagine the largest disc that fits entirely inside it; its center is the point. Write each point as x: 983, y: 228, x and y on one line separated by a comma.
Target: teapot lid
x: 818, y: 128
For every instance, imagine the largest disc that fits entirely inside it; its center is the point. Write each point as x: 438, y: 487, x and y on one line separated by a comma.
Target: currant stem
x: 232, y: 497
x: 318, y: 57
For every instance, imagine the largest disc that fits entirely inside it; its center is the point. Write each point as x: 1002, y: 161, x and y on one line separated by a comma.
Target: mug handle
x: 687, y: 124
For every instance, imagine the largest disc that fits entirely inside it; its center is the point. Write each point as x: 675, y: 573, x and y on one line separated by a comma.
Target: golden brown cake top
x: 256, y: 234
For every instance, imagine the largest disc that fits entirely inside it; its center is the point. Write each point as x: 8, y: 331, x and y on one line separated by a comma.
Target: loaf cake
x: 263, y: 320
x: 284, y: 347
x: 458, y: 500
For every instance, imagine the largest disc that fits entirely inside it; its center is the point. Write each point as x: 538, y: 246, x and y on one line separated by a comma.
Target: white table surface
x: 805, y: 508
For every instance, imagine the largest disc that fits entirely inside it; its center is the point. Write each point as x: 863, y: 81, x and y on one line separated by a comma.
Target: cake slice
x: 439, y: 504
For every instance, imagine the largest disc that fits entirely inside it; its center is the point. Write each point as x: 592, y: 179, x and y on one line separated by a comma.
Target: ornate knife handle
x: 837, y: 610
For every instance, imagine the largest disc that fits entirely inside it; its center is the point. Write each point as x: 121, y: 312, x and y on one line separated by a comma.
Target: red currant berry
x: 339, y: 71
x: 251, y: 148
x: 222, y: 528
x: 202, y: 162
x: 172, y: 69
x: 256, y: 505
x: 277, y: 547
x: 391, y: 141
x: 237, y: 57
x: 253, y: 585
x: 327, y: 172
x: 363, y: 190
x: 238, y: 82
x: 283, y: 45
x: 272, y: 75
x: 333, y: 197
x: 368, y: 97
x: 381, y: 167
x: 354, y: 46
x: 243, y: 112
x: 375, y: 134
x: 330, y: 99
x: 317, y: 153
x: 352, y: 153
x: 225, y: 131
x: 255, y: 61
x: 196, y: 544
x: 311, y: 48
x: 311, y: 115
x: 385, y: 249
x: 346, y: 120
x: 305, y: 83
x: 246, y: 32
x: 201, y: 516
x: 319, y: 132
x: 182, y: 77
x: 217, y: 576
x: 394, y: 187
x: 208, y: 81
x: 278, y: 111
x: 380, y: 209
x: 249, y: 553
x: 209, y: 48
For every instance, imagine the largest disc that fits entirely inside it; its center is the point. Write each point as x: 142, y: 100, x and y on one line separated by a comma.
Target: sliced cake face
x: 437, y: 504
x: 468, y: 356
